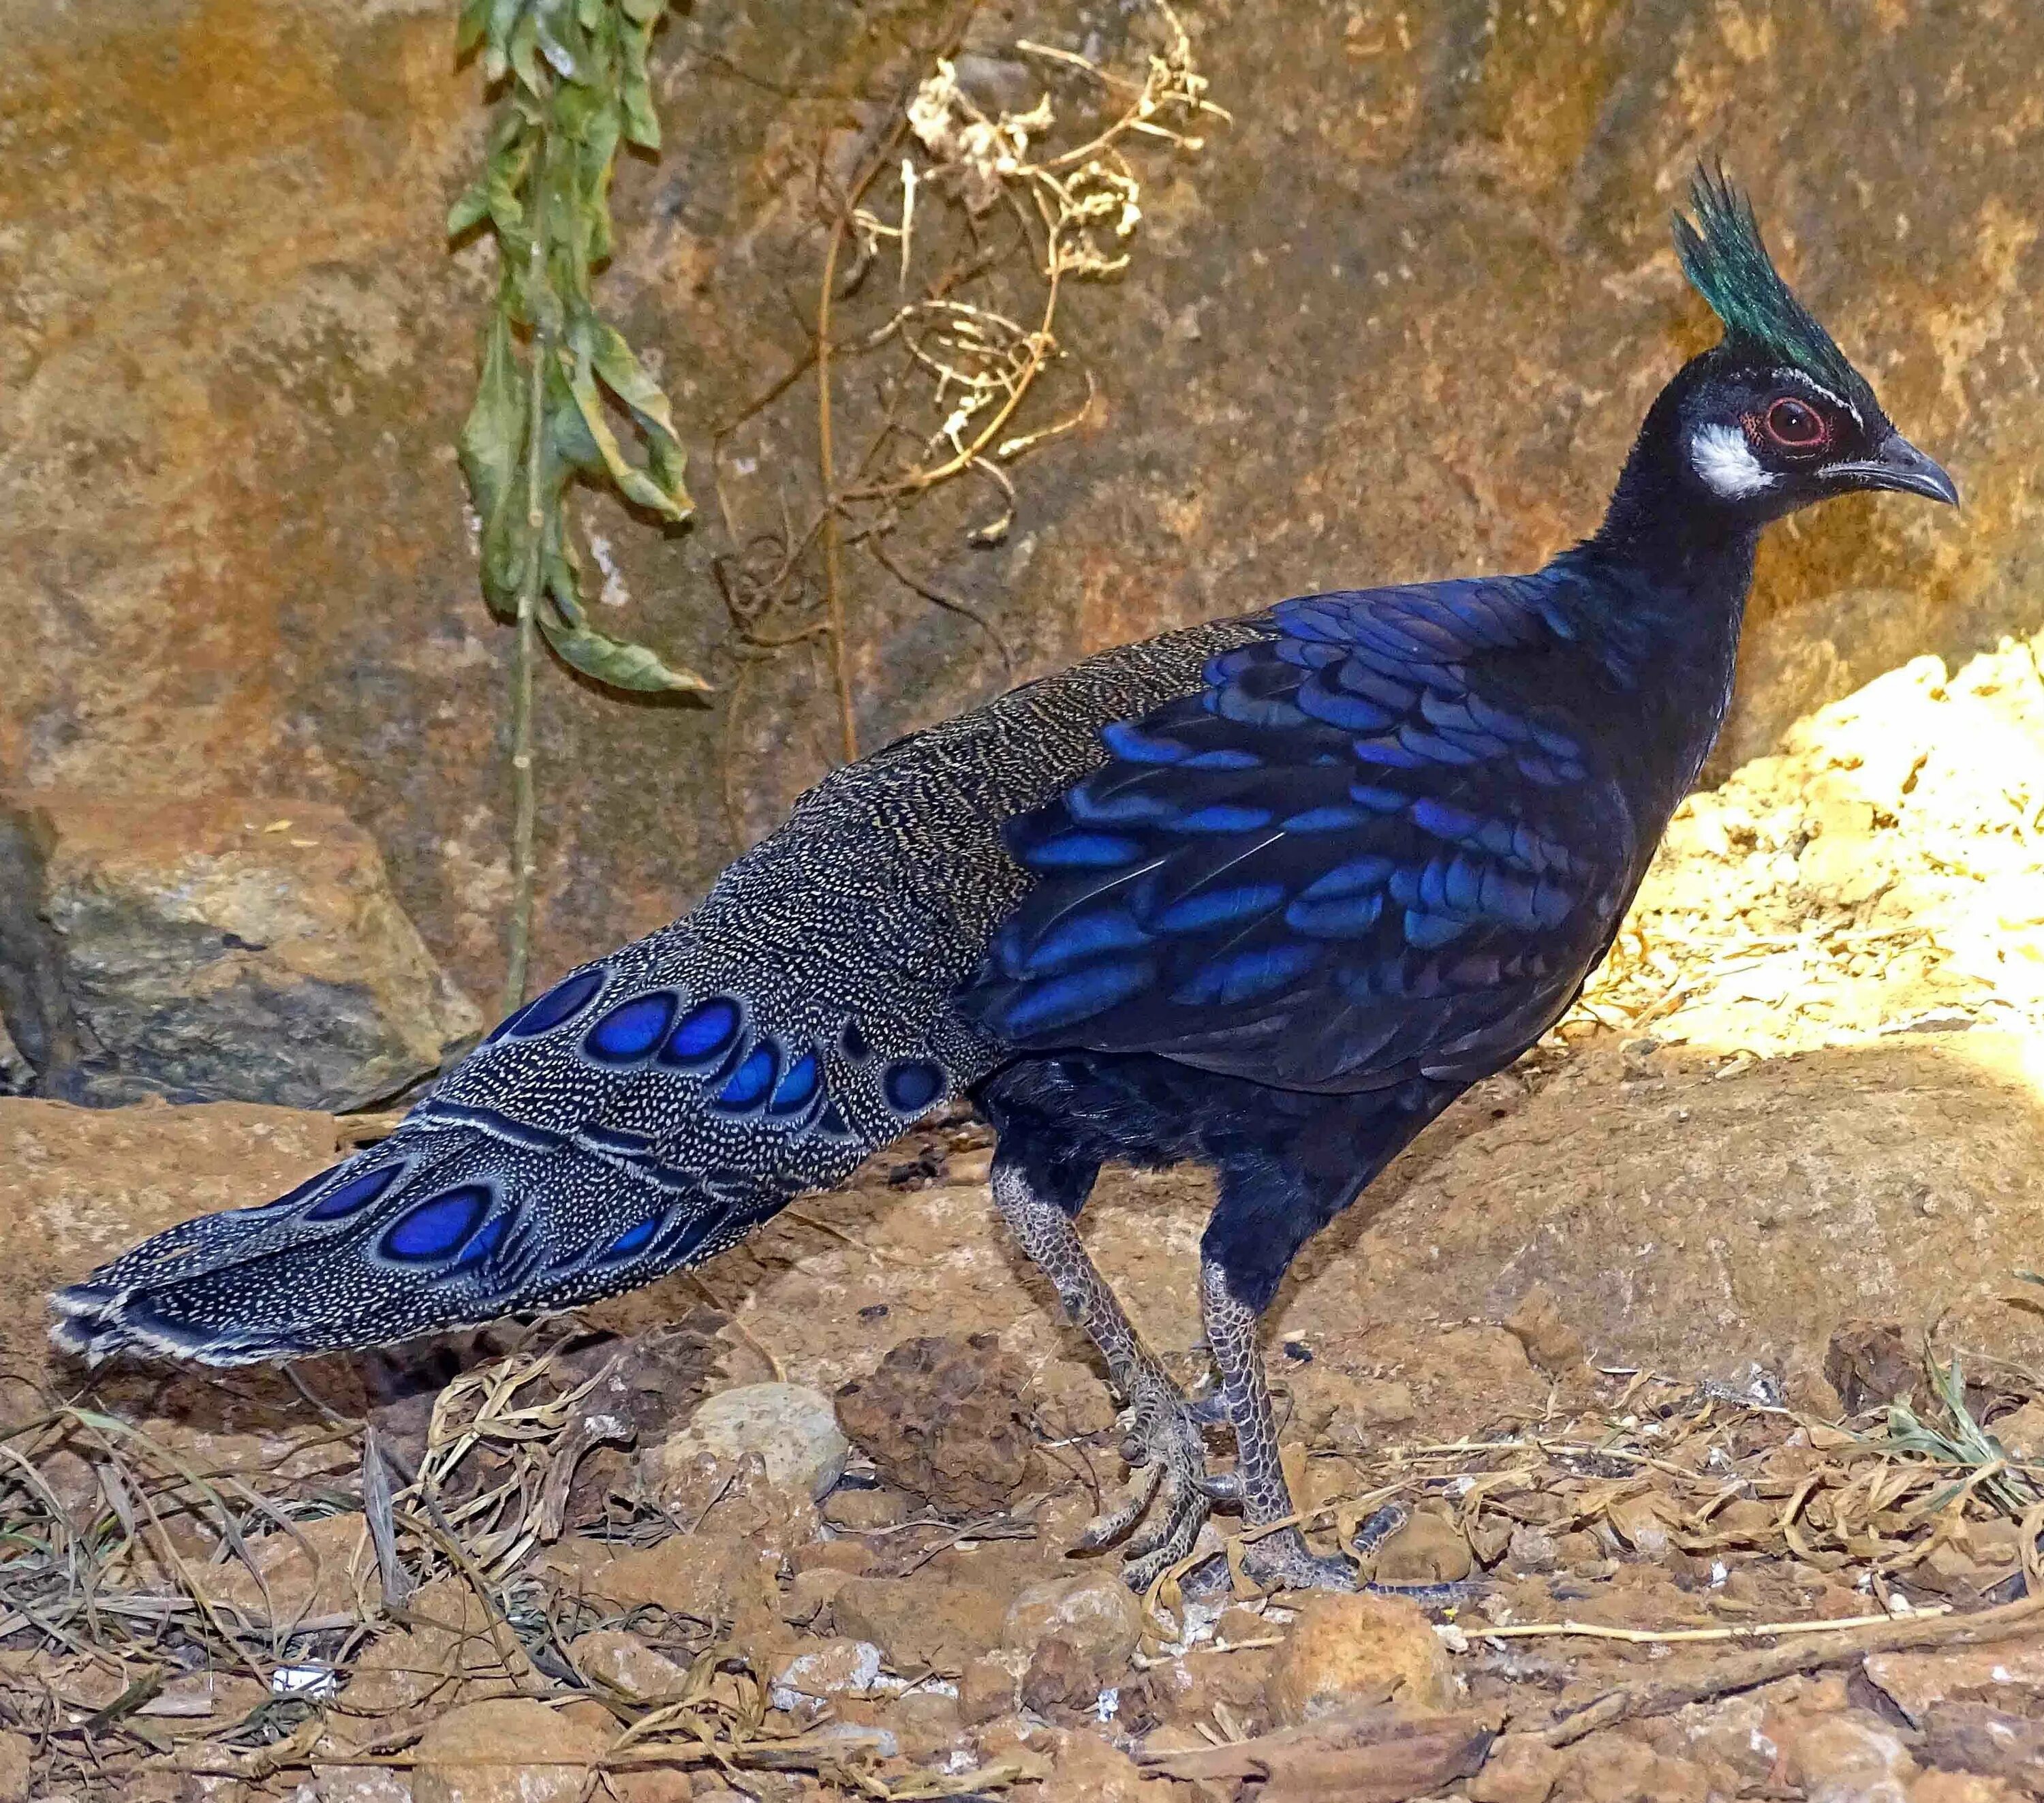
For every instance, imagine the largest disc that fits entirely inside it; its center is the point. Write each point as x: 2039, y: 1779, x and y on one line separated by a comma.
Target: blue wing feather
x: 1373, y: 842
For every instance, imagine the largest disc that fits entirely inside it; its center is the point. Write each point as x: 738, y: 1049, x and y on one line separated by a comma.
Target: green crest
x: 1722, y: 254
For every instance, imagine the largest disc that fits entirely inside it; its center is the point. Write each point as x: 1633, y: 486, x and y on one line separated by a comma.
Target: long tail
x: 646, y: 1112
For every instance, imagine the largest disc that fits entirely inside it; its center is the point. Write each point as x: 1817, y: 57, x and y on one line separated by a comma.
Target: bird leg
x: 1281, y: 1560
x: 1162, y: 1426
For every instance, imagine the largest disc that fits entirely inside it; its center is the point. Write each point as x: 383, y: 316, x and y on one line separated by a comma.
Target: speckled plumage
x: 1265, y: 894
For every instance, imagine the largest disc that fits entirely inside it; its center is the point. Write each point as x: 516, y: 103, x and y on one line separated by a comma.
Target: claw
x: 1104, y: 1530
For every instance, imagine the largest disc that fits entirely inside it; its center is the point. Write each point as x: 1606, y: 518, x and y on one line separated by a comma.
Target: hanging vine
x: 558, y: 384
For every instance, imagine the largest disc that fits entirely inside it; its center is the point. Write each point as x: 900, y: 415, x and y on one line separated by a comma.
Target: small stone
x: 986, y: 1691
x: 1428, y: 1549
x: 861, y: 1511
x: 811, y: 1593
x: 1085, y: 1769
x: 1532, y: 1549
x: 2012, y: 1674
x: 927, y: 1722
x: 360, y: 1784
x: 918, y: 1622
x: 1978, y: 1737
x: 792, y: 1430
x: 946, y: 1419
x: 1521, y: 1768
x: 1353, y: 1652
x: 512, y: 1750
x: 1870, y: 1363
x: 448, y: 1655
x: 318, y: 1569
x: 1060, y: 1679
x: 16, y: 1754
x: 1551, y: 1343
x: 804, y: 1683
x: 1849, y: 1757
x: 623, y: 1663
x: 1096, y: 1615
x: 2022, y: 1432
x: 1967, y: 1787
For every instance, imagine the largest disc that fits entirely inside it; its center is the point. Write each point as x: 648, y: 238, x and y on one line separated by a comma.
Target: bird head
x: 1775, y: 417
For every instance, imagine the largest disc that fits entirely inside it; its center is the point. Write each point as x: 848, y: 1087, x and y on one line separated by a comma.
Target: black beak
x: 1900, y: 466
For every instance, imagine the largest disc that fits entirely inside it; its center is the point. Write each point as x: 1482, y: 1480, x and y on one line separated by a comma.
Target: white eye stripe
x: 1818, y: 389
x: 1720, y: 455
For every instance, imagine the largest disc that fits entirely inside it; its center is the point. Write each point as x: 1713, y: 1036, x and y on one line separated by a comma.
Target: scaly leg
x: 1162, y: 1427
x: 1280, y: 1560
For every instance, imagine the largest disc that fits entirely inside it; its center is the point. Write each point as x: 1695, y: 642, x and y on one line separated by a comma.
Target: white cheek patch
x: 1721, y: 455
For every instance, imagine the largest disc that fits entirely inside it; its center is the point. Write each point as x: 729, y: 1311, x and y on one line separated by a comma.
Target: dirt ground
x: 1696, y: 1357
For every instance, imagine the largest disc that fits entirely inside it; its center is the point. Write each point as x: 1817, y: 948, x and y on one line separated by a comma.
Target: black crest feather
x: 1723, y: 255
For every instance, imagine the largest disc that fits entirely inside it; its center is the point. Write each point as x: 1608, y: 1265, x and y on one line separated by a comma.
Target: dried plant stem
x: 1746, y: 1671
x: 1671, y: 1636
x: 524, y: 796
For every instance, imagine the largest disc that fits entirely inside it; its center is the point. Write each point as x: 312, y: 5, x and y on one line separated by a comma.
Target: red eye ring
x: 1795, y: 424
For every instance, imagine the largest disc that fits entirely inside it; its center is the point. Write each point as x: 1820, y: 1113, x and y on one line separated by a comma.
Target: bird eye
x: 1791, y: 423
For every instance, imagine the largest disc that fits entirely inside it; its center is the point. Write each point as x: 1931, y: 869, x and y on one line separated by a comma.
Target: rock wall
x: 1399, y: 319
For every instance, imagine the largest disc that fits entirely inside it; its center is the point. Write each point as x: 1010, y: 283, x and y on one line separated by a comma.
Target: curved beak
x: 1899, y: 465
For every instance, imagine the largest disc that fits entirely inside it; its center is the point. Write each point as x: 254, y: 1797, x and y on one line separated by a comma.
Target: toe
x: 1105, y: 1529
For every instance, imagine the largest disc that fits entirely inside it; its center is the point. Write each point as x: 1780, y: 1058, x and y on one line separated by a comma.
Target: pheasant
x: 1262, y: 895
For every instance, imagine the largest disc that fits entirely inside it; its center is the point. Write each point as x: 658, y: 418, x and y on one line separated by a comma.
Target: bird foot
x: 1282, y: 1562
x: 1163, y: 1446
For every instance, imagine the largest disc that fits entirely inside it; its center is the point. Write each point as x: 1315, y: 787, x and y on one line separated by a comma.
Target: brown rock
x: 1870, y: 1363
x: 2010, y: 1672
x: 2021, y: 1430
x: 1977, y: 1737
x: 1849, y: 1757
x: 1060, y: 1679
x: 452, y: 1655
x: 918, y: 1622
x: 1537, y: 1324
x: 243, y: 950
x: 1966, y: 1787
x: 1347, y: 1652
x: 986, y: 1689
x: 16, y: 1756
x: 1428, y: 1549
x: 360, y: 1784
x: 1085, y: 1769
x: 809, y: 1593
x: 718, y: 1580
x: 1615, y: 1768
x: 946, y: 1419
x: 860, y: 1511
x: 625, y: 1664
x: 927, y: 1722
x: 320, y: 1569
x: 1097, y: 1616
x: 791, y: 1428
x: 805, y: 1683
x: 511, y: 1751
x: 1520, y: 1768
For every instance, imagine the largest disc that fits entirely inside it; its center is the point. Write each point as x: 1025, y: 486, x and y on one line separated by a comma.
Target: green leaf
x: 633, y: 482
x: 524, y: 52
x: 617, y: 662
x: 472, y: 209
x: 492, y: 449
x: 626, y: 377
x: 642, y: 123
x: 474, y: 21
x: 644, y: 12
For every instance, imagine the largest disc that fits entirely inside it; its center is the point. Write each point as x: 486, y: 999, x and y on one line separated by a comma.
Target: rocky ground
x: 1617, y: 1356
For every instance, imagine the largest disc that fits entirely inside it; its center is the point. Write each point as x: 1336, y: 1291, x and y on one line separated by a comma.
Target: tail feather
x: 638, y: 1118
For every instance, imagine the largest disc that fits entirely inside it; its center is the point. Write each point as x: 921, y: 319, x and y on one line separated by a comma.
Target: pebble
x: 804, y: 1683
x: 1352, y: 1652
x: 1096, y: 1615
x: 1427, y: 1550
x: 947, y: 1419
x: 792, y: 1430
x: 624, y: 1663
x: 512, y: 1750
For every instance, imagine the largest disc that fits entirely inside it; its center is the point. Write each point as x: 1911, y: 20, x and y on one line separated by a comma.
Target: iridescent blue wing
x: 1367, y: 847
